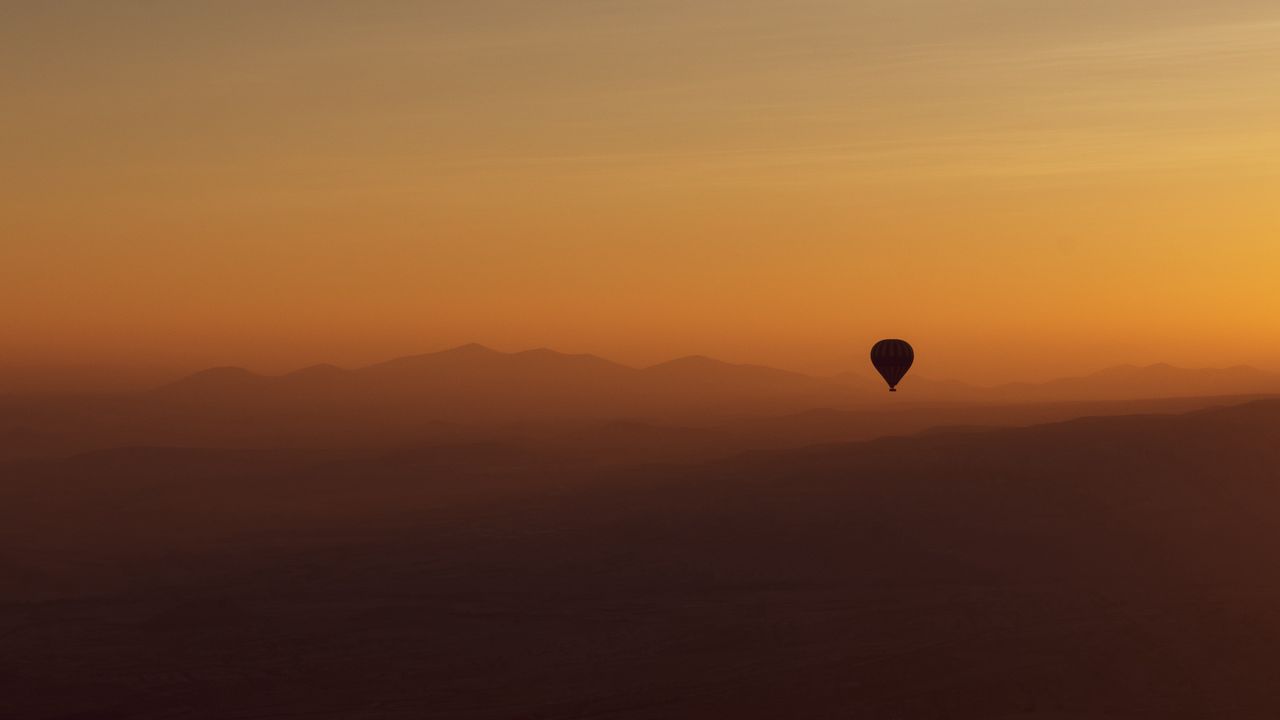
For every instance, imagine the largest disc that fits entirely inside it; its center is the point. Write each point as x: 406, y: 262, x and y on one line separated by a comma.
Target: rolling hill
x: 1100, y: 567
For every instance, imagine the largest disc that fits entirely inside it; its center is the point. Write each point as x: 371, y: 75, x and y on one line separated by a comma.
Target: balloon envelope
x: 892, y: 359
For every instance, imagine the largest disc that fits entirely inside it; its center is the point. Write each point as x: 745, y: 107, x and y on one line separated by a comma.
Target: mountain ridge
x: 577, y: 384
x: 475, y: 352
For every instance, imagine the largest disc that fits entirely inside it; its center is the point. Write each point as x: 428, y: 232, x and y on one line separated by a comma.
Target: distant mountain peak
x: 214, y: 379
x: 693, y: 361
x: 469, y: 349
x: 703, y: 369
x: 579, y: 359
x: 468, y: 352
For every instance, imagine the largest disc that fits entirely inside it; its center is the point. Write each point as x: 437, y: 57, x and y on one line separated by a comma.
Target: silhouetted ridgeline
x: 683, y: 409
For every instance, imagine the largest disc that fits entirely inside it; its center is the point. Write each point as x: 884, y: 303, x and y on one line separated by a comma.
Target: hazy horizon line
x: 177, y: 373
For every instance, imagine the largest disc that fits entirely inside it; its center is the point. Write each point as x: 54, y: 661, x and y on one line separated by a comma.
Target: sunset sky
x: 1022, y: 188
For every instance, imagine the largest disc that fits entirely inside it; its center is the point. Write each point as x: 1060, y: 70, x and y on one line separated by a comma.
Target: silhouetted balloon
x: 892, y: 359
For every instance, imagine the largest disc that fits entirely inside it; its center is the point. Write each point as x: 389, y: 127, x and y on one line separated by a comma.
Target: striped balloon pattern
x: 892, y: 359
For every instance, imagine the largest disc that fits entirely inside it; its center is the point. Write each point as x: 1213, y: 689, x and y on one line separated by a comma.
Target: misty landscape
x: 476, y: 534
x: 640, y: 360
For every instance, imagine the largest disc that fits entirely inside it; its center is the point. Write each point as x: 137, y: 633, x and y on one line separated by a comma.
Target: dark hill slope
x: 1116, y: 567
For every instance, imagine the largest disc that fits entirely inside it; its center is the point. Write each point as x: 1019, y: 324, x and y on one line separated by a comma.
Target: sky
x: 1023, y: 189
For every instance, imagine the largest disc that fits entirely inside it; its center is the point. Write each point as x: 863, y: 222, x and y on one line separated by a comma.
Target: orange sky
x: 1022, y: 189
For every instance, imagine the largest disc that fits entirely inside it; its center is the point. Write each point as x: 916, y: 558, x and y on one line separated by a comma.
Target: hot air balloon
x: 892, y: 359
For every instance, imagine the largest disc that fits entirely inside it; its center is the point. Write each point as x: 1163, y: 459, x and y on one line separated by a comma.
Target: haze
x: 1026, y: 190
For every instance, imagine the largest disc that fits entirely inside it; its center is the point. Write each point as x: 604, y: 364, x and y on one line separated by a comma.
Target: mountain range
x: 474, y: 383
x: 684, y: 408
x: 548, y: 383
